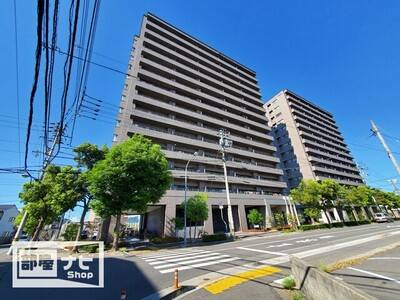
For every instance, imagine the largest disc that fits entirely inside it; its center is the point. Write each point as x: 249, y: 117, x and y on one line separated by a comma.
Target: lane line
x: 236, y: 279
x: 262, y: 251
x: 185, y: 263
x: 389, y: 258
x: 168, y: 253
x: 162, y: 261
x: 199, y: 265
x: 375, y: 275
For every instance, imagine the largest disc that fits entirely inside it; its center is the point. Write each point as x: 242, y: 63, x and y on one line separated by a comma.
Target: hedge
x: 214, y: 237
x: 333, y: 225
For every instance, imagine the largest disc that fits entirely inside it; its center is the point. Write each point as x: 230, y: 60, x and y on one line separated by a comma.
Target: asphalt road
x: 144, y: 275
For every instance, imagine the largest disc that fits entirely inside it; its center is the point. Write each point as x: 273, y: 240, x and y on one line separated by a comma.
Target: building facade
x: 309, y: 142
x: 8, y: 213
x: 180, y: 93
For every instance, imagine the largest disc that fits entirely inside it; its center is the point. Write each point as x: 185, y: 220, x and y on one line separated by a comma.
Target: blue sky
x: 341, y: 55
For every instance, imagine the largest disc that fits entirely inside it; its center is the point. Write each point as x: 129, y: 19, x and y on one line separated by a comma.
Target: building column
x: 208, y: 224
x: 336, y: 214
x: 355, y: 214
x: 242, y: 217
x: 364, y: 213
x: 169, y: 216
x: 268, y: 215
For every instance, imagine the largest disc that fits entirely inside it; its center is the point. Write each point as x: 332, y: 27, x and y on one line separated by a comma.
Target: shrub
x: 89, y: 248
x: 312, y: 227
x: 288, y: 283
x: 255, y: 217
x: 356, y: 223
x: 297, y: 296
x: 279, y: 220
x: 337, y: 224
x: 164, y: 240
x: 214, y: 237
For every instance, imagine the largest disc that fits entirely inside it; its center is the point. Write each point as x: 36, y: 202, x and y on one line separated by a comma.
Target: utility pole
x: 225, y: 143
x: 393, y: 182
x: 376, y: 132
x: 46, y: 161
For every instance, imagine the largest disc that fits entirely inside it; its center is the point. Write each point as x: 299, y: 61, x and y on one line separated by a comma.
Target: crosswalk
x: 185, y: 259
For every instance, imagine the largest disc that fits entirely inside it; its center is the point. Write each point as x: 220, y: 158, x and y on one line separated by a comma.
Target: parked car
x: 381, y: 218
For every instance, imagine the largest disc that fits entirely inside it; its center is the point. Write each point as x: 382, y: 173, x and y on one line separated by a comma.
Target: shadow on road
x: 118, y: 274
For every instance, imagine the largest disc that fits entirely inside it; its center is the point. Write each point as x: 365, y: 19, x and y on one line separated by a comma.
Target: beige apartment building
x: 180, y: 93
x: 309, y: 142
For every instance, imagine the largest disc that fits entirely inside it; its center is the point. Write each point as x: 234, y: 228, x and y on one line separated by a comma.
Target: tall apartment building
x: 309, y: 142
x: 180, y: 93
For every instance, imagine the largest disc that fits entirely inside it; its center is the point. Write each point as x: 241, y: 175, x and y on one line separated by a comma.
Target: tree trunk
x: 38, y: 229
x: 103, y: 230
x: 195, y: 227
x: 115, y: 246
x: 81, y: 224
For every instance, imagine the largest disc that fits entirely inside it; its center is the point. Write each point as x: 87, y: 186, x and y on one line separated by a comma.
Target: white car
x: 381, y: 217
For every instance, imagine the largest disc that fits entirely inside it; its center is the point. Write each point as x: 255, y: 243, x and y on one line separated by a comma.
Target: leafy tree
x: 197, y: 209
x: 308, y: 194
x: 132, y: 175
x: 330, y: 191
x: 31, y: 223
x: 70, y: 231
x: 86, y: 156
x: 313, y: 213
x: 360, y: 196
x: 48, y: 198
x: 255, y: 217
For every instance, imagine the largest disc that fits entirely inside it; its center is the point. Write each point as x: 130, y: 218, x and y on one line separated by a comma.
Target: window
x: 11, y: 219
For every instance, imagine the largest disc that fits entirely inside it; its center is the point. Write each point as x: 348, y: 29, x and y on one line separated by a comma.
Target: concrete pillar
x: 371, y: 211
x: 364, y: 213
x: 324, y: 217
x: 354, y: 213
x: 169, y: 216
x: 336, y: 214
x: 208, y: 224
x: 268, y: 215
x: 242, y: 217
x: 345, y: 216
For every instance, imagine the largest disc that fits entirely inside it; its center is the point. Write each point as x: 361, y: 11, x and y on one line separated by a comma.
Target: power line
x: 17, y: 78
x: 38, y: 55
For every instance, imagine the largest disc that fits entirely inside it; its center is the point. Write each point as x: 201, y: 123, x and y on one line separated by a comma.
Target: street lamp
x: 224, y: 143
x: 185, y: 203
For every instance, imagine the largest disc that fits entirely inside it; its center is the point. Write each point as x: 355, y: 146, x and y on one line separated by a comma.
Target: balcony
x: 324, y: 141
x: 332, y: 163
x: 345, y: 182
x: 336, y: 172
x: 328, y: 148
x: 197, y: 143
x: 337, y: 157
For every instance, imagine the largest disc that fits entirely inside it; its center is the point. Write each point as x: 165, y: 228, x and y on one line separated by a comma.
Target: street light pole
x: 185, y: 203
x: 224, y: 143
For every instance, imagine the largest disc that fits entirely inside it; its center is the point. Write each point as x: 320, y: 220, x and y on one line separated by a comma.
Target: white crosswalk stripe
x: 184, y: 259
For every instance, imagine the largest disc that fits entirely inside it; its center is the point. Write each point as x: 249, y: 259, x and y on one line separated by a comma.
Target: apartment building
x: 309, y: 142
x: 180, y: 93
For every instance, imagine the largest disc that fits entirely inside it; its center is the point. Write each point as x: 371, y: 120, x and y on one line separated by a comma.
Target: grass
x: 297, y: 296
x: 288, y: 283
x: 324, y: 268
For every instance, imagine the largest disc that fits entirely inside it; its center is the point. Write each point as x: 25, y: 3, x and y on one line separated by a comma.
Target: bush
x: 337, y: 224
x: 356, y: 223
x: 297, y: 296
x: 89, y: 248
x: 288, y: 283
x: 164, y: 240
x: 214, y: 237
x: 312, y: 227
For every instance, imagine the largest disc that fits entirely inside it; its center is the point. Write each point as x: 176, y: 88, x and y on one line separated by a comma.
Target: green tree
x: 309, y: 195
x: 86, y: 156
x: 31, y: 223
x: 48, y: 198
x: 360, y: 196
x: 71, y: 231
x: 313, y: 213
x: 330, y: 192
x: 197, y: 209
x: 132, y: 175
x: 255, y: 217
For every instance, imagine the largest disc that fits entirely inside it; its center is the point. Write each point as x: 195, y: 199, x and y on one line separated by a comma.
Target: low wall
x: 317, y: 285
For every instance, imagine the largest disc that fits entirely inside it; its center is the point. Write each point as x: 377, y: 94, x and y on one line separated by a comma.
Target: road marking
x: 326, y: 237
x: 185, y: 260
x: 175, y: 256
x: 161, y: 260
x: 374, y: 274
x: 199, y: 265
x: 236, y: 279
x: 190, y: 262
x: 307, y: 241
x: 261, y: 251
x: 384, y: 258
x: 280, y: 245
